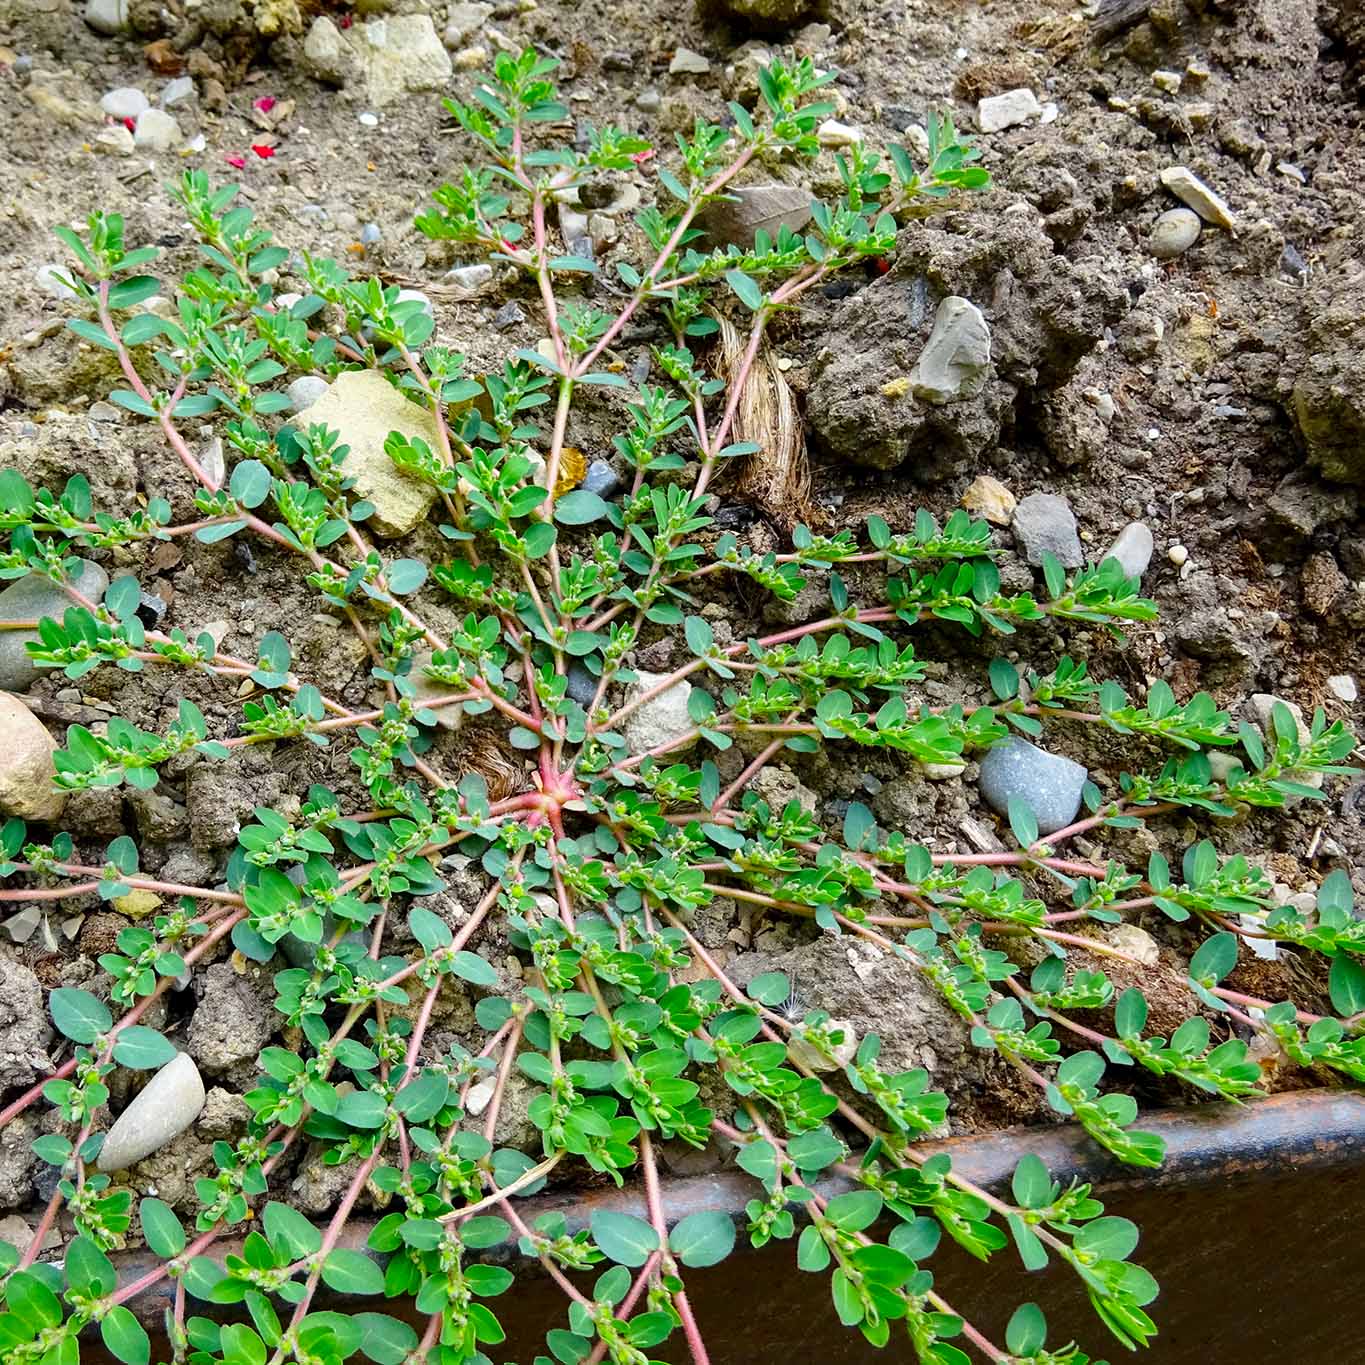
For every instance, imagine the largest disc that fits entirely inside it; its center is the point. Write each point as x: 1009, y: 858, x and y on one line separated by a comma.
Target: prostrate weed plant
x: 596, y: 865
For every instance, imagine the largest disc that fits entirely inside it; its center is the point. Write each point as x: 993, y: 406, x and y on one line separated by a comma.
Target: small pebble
x: 169, y: 1103
x: 49, y: 283
x: 156, y: 131
x: 832, y: 133
x: 601, y: 479
x: 509, y: 315
x: 997, y: 112
x: 469, y: 281
x: 648, y: 101
x: 370, y: 234
x: 125, y: 102
x: 582, y: 686
x: 1173, y: 233
x: 368, y: 120
x: 1178, y: 555
x: 1343, y: 687
x: 305, y: 391
x: 688, y: 63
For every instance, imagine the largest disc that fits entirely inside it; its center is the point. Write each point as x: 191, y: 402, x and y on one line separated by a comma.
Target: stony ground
x: 1211, y: 389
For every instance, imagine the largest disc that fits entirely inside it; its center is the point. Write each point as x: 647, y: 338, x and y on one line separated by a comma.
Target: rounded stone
x: 1048, y: 783
x: 168, y: 1104
x: 305, y: 391
x: 30, y: 599
x: 125, y: 102
x: 1173, y: 233
x: 1133, y: 549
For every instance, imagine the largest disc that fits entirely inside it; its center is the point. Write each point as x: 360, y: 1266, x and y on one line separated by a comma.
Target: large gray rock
x: 956, y: 360
x: 364, y: 407
x: 1049, y: 783
x: 30, y: 599
x: 26, y: 769
x: 1045, y: 523
x: 169, y: 1103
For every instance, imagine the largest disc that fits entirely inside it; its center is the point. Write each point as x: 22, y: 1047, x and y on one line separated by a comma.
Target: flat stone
x: 956, y: 360
x: 660, y: 720
x: 1050, y: 784
x: 688, y: 63
x: 107, y: 16
x: 509, y: 315
x: 997, y: 112
x: 1133, y: 942
x: 463, y: 22
x: 426, y: 688
x: 305, y: 391
x: 125, y: 102
x: 26, y: 769
x: 157, y: 131
x: 162, y: 1110
x: 470, y: 281
x: 364, y: 407
x: 177, y: 91
x: 1133, y: 549
x: 989, y: 498
x: 1173, y: 233
x: 1194, y: 193
x: 30, y: 599
x: 755, y: 208
x: 832, y: 133
x: 1045, y: 522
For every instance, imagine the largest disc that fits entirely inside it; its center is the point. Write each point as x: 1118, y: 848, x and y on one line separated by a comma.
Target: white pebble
x: 368, y: 120
x: 1178, y: 554
x: 48, y: 282
x: 997, y: 112
x: 125, y: 102
x: 177, y: 91
x: 156, y: 131
x: 1343, y: 687
x: 832, y: 133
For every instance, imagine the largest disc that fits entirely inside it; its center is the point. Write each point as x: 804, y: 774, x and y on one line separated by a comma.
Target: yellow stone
x: 137, y: 904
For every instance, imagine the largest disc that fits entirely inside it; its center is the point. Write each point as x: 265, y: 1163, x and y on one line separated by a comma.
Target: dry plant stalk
x: 777, y: 476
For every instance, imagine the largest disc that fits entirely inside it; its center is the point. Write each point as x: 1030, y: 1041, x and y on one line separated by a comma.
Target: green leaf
x: 1347, y: 985
x: 623, y: 1238
x: 579, y: 508
x: 474, y: 969
x: 352, y: 1272
x: 88, y: 1270
x: 291, y: 1231
x: 406, y: 575
x: 142, y: 1049
x: 125, y: 1337
x: 703, y: 1239
x: 134, y: 290
x: 1023, y: 822
x: 123, y: 596
x: 250, y: 483
x: 1215, y: 958
x: 78, y: 1014
x: 161, y: 1228
x: 1130, y: 1014
x: 1032, y: 1185
x: 383, y: 1339
x: 746, y: 289
x: 770, y: 988
x: 854, y: 1211
x: 1027, y: 1330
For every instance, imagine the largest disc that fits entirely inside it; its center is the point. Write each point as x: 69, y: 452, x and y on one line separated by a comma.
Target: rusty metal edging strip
x: 1314, y: 1129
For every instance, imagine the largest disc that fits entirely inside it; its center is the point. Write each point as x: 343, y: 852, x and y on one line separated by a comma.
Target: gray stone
x: 755, y: 208
x: 997, y: 112
x: 156, y: 131
x: 107, y: 16
x: 392, y: 55
x: 601, y: 479
x: 1044, y: 522
x: 24, y: 1030
x: 30, y: 599
x: 364, y: 407
x: 509, y: 315
x: 1133, y: 549
x: 582, y: 685
x: 165, y: 1107
x: 370, y: 234
x: 1048, y: 783
x: 1194, y: 193
x: 648, y: 101
x: 1174, y: 232
x: 125, y: 102
x: 115, y: 140
x: 688, y: 63
x: 305, y: 391
x: 660, y: 720
x: 470, y: 281
x: 956, y: 360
